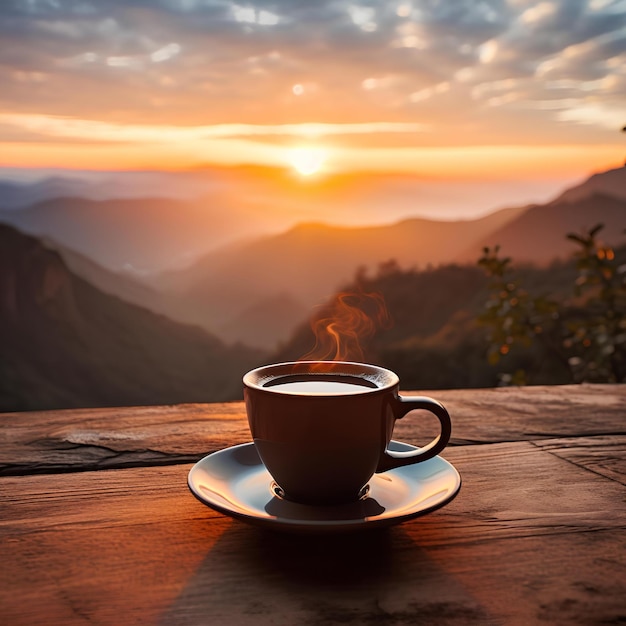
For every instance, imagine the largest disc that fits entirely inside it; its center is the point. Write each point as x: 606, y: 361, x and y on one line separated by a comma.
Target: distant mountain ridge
x: 139, y: 235
x: 538, y: 235
x: 610, y: 183
x: 19, y: 195
x: 255, y: 288
x: 308, y: 262
x: 103, y: 185
x: 311, y: 261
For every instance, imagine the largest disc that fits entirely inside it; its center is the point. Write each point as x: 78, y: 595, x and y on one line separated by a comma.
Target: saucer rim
x: 324, y: 526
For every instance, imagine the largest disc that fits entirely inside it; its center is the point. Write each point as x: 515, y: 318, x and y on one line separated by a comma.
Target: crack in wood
x: 115, y: 459
x: 574, y: 462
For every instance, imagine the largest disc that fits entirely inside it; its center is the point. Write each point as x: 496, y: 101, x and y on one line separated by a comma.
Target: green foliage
x: 584, y: 334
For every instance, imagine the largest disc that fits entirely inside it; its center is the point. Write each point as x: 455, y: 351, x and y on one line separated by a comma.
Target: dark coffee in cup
x: 320, y: 384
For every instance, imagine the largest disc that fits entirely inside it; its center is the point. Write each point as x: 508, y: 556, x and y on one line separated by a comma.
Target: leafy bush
x: 583, y: 335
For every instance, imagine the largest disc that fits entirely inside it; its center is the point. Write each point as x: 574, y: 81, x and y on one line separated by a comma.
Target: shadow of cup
x: 256, y: 576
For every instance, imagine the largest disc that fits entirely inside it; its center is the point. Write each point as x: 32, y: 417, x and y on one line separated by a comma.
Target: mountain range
x: 537, y: 235
x: 256, y: 289
x: 305, y: 264
x: 77, y: 334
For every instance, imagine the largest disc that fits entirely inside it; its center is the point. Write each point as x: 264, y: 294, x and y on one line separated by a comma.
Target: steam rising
x: 342, y: 325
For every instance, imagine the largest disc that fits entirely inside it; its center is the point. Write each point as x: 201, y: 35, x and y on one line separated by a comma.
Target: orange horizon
x: 463, y: 162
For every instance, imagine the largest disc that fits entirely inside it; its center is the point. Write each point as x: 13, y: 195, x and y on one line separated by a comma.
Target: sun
x: 307, y: 160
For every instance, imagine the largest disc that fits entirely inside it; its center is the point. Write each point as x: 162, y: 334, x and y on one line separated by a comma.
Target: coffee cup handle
x: 403, y: 405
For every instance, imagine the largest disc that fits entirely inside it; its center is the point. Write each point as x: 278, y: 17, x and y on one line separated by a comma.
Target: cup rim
x: 259, y: 377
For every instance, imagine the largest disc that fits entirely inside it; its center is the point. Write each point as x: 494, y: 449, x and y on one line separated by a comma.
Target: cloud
x: 209, y: 62
x: 594, y: 114
x: 49, y: 126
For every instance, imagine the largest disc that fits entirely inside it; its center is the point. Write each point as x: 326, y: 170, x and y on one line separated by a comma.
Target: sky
x: 465, y: 89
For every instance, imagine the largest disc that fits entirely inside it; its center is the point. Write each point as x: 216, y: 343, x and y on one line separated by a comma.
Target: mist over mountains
x: 22, y: 188
x: 147, y: 222
x: 77, y: 333
x: 307, y: 264
x: 258, y: 287
x: 140, y: 236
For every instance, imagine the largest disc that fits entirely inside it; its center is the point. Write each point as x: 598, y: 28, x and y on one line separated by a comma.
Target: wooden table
x: 97, y: 525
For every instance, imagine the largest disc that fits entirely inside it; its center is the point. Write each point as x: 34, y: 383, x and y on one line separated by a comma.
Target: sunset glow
x: 504, y: 89
x: 307, y: 161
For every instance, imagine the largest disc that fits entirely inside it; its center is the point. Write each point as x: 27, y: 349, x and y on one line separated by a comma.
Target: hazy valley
x: 65, y: 343
x: 80, y: 330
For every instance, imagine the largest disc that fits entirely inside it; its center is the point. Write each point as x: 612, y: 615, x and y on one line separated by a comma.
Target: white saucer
x: 235, y: 482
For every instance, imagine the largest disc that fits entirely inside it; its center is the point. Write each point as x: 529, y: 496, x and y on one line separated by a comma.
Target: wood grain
x: 531, y: 539
x: 605, y: 455
x: 91, y: 439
